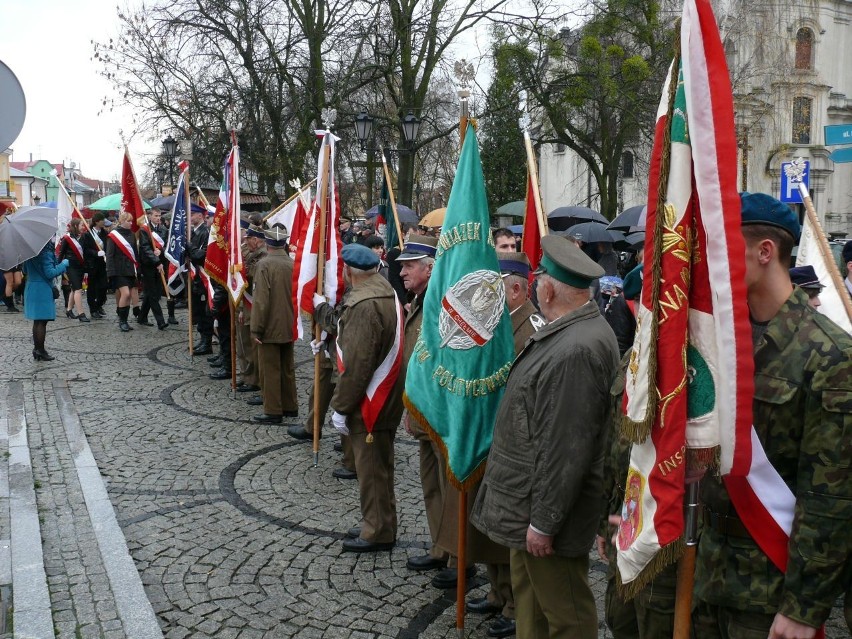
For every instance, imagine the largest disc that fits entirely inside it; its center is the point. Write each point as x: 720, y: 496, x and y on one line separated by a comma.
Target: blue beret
x: 759, y: 208
x: 255, y: 231
x: 359, y: 256
x: 805, y: 277
x: 514, y: 263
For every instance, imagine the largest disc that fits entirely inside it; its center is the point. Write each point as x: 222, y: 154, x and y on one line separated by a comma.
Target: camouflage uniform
x: 651, y: 613
x: 803, y: 418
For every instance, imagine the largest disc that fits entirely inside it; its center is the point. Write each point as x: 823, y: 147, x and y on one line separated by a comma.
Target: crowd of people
x: 554, y: 481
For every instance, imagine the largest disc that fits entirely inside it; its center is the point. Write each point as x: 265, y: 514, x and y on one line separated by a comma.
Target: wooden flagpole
x: 187, y: 257
x: 233, y: 237
x: 825, y: 250
x: 686, y: 566
x: 461, y: 564
x: 201, y: 195
x: 392, y: 199
x: 323, y: 222
x: 533, y: 173
x: 287, y: 201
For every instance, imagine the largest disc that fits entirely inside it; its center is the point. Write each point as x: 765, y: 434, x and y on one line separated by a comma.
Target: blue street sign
x: 790, y: 190
x: 841, y: 155
x: 838, y: 134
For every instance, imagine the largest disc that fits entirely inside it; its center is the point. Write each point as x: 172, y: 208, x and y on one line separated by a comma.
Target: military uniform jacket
x: 198, y: 239
x: 546, y: 459
x: 272, y: 312
x: 413, y: 322
x: 250, y: 261
x: 803, y: 417
x: 525, y: 322
x: 366, y: 332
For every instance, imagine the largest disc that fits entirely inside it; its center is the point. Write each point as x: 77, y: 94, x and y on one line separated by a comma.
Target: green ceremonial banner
x: 461, y: 361
x: 386, y: 213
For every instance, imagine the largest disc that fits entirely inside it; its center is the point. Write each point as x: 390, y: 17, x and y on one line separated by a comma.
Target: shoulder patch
x: 537, y: 321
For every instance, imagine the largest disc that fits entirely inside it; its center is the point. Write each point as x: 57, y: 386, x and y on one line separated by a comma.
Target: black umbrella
x: 565, y: 217
x: 634, y: 216
x: 632, y: 242
x: 591, y: 232
x: 406, y: 215
x: 167, y: 203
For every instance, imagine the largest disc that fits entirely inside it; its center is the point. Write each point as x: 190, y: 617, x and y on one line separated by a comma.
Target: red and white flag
x: 224, y: 259
x: 131, y: 199
x: 533, y: 231
x: 307, y: 252
x: 690, y: 378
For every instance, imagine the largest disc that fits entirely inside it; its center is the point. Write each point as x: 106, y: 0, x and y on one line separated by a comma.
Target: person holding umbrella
x: 39, y: 298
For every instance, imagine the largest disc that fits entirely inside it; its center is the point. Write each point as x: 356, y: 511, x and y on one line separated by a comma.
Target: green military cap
x: 255, y: 231
x: 417, y: 247
x: 564, y: 261
x: 514, y: 264
x: 276, y: 236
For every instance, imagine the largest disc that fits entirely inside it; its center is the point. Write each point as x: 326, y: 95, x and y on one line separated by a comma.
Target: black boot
x: 170, y: 306
x: 206, y: 346
x: 135, y: 311
x: 10, y: 305
x: 123, y: 314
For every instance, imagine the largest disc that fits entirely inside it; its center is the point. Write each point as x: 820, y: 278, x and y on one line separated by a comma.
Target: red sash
x: 124, y: 246
x: 75, y: 246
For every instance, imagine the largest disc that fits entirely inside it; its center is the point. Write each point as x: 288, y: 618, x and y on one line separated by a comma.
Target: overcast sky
x: 47, y: 45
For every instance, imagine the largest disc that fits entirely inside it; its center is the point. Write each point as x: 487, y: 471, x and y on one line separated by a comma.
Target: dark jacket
x: 94, y: 262
x: 66, y: 252
x: 546, y: 462
x: 146, y: 257
x: 118, y: 264
x: 198, y: 244
x: 367, y: 330
x: 272, y: 313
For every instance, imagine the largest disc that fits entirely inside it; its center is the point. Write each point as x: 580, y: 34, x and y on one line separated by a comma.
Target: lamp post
x: 170, y: 151
x: 410, y: 125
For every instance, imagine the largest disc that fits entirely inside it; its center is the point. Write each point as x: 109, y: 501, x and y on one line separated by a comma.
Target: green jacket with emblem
x: 803, y: 418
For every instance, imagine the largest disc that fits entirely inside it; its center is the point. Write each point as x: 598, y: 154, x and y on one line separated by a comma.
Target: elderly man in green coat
x: 540, y: 494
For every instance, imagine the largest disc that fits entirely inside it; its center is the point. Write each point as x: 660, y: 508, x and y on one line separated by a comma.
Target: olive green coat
x: 272, y: 311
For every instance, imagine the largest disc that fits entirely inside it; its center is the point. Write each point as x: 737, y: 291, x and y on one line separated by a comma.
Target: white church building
x: 791, y: 70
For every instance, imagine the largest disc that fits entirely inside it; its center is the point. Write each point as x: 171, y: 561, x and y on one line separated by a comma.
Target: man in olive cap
x: 801, y: 416
x: 367, y: 400
x: 543, y: 480
x: 272, y: 329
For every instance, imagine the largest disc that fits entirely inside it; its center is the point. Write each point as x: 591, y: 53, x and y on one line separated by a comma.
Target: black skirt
x: 75, y: 277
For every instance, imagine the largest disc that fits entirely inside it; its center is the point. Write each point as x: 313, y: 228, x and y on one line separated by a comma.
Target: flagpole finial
x: 329, y: 116
x: 795, y: 170
x: 296, y: 183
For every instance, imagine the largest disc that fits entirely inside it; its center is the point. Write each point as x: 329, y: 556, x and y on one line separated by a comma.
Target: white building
x: 791, y: 77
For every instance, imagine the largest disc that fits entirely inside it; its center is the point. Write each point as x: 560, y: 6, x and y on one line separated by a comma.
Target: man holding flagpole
x: 764, y: 569
x: 544, y: 473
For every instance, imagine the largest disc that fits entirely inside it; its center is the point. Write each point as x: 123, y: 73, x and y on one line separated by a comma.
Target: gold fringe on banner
x: 666, y: 556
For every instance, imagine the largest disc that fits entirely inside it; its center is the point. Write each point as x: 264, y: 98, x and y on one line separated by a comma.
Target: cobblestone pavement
x: 232, y: 530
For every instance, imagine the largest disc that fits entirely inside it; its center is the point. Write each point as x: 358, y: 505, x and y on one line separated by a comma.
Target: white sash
x: 124, y: 246
x: 75, y: 246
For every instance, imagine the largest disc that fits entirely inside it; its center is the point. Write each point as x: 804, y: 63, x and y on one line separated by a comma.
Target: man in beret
x: 802, y: 415
x: 540, y: 494
x: 369, y: 350
x: 417, y: 259
x: 271, y: 324
x: 255, y: 250
x: 805, y: 278
x: 515, y: 270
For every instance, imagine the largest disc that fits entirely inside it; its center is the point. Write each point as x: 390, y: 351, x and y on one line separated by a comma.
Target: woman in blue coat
x: 39, y: 305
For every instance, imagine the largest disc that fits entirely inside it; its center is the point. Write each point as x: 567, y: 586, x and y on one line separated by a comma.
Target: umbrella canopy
x: 168, y: 202
x: 565, y: 217
x: 632, y: 242
x: 593, y: 232
x: 516, y: 209
x: 517, y: 229
x: 433, y: 218
x: 24, y: 234
x: 111, y: 202
x: 406, y: 215
x: 634, y: 216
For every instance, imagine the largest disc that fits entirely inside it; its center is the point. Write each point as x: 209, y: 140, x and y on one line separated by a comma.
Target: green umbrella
x: 111, y: 202
x: 515, y: 209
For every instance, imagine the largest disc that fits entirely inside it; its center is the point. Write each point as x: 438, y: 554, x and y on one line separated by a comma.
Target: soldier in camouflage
x: 802, y: 406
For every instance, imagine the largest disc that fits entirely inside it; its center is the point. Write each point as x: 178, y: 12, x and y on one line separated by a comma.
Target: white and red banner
x: 287, y: 215
x: 383, y: 379
x: 690, y: 379
x: 308, y: 243
x: 224, y: 260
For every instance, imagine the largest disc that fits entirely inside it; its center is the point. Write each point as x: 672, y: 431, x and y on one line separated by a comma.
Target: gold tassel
x: 666, y: 556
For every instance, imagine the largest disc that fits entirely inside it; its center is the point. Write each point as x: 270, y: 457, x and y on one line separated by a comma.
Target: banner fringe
x: 666, y: 556
x: 461, y: 485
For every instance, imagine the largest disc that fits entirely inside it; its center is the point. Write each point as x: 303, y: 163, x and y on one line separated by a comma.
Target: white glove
x: 339, y: 423
x: 317, y: 346
x: 101, y: 253
x: 318, y: 299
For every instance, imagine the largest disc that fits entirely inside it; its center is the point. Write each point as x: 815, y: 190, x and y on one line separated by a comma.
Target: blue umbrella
x: 406, y: 215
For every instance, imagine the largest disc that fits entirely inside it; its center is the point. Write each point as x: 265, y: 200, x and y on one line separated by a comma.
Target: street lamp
x: 170, y: 151
x: 410, y: 125
x: 160, y: 175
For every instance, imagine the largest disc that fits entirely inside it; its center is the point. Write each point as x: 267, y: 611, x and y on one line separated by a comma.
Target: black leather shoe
x: 162, y: 326
x: 299, y: 432
x: 354, y: 532
x: 448, y: 577
x: 344, y: 473
x: 425, y: 562
x: 267, y: 419
x: 338, y: 447
x: 220, y: 374
x: 214, y: 357
x: 292, y: 413
x: 501, y: 627
x: 143, y: 322
x: 173, y: 321
x: 217, y: 363
x: 362, y: 545
x: 482, y: 606
x: 205, y: 349
x: 255, y: 401
x: 247, y: 388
